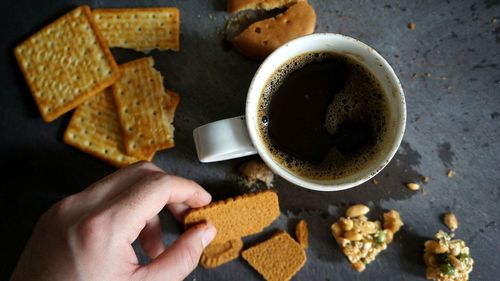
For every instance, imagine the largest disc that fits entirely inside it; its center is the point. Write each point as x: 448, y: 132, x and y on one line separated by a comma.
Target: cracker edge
x: 96, y: 89
x: 152, y: 9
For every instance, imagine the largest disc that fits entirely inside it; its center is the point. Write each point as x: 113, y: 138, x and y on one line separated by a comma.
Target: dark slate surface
x: 449, y: 67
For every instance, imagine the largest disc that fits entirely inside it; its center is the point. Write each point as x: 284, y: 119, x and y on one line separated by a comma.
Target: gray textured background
x: 450, y: 70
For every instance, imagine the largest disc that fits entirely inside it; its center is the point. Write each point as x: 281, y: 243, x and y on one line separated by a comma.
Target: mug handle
x: 222, y: 140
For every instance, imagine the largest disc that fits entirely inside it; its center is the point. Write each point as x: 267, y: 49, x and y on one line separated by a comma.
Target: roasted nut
x: 353, y: 235
x: 347, y: 224
x: 451, y: 221
x: 413, y: 186
x: 336, y: 230
x: 433, y: 247
x: 357, y: 210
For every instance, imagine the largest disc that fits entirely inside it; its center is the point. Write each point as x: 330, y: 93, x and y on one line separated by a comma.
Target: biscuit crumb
x: 426, y: 179
x: 412, y: 26
x: 255, y: 171
x: 302, y: 234
x: 375, y: 182
x: 451, y: 173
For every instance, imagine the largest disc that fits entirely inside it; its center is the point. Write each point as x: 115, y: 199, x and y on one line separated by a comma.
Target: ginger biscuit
x: 302, y: 233
x: 277, y: 259
x: 221, y: 253
x: 238, y: 217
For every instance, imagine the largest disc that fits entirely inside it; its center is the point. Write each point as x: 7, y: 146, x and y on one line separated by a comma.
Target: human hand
x: 88, y: 235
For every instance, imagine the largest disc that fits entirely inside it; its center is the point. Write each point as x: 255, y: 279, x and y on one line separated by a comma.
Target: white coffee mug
x: 240, y: 136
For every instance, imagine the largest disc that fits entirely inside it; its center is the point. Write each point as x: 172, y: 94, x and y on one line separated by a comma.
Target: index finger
x: 148, y: 197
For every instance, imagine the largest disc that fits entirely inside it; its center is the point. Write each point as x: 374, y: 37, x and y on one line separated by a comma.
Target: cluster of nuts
x: 447, y: 259
x: 360, y: 239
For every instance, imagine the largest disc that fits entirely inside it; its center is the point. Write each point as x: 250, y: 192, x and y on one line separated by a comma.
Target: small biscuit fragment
x: 277, y: 259
x: 263, y: 37
x: 65, y: 63
x: 221, y: 253
x: 255, y: 171
x: 144, y: 110
x: 234, y: 6
x: 141, y: 29
x: 94, y: 129
x: 301, y: 233
x: 238, y: 217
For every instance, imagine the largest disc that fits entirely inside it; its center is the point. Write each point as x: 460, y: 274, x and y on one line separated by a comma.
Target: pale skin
x: 88, y: 235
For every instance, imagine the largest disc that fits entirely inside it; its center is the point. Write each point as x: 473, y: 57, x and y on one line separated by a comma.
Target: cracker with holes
x: 263, y: 37
x: 65, y: 63
x: 141, y: 29
x: 234, y: 6
x: 145, y: 111
x: 94, y: 129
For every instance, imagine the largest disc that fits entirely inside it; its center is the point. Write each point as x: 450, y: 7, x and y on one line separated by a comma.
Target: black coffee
x: 323, y: 115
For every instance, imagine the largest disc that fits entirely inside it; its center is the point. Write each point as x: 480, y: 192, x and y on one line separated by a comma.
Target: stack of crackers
x: 278, y: 258
x: 123, y: 113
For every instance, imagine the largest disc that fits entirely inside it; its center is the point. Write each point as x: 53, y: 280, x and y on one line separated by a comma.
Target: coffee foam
x: 351, y: 103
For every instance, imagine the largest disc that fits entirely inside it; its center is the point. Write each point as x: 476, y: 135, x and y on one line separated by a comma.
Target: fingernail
x: 208, y: 235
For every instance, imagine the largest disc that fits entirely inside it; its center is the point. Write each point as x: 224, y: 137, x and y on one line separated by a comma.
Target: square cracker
x: 277, y: 259
x: 65, y: 63
x: 141, y: 29
x: 94, y: 129
x: 145, y: 111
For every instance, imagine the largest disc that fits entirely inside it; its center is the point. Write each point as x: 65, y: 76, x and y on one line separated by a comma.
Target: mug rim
x: 260, y: 146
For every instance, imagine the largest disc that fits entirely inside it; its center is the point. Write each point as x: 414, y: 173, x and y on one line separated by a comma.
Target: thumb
x: 182, y: 257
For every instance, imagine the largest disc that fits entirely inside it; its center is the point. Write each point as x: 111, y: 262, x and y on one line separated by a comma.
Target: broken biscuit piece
x: 255, y: 171
x: 302, y: 233
x: 221, y: 253
x: 234, y: 6
x: 237, y: 217
x: 277, y: 259
x: 362, y: 240
x: 145, y: 109
x: 447, y: 259
x: 263, y: 37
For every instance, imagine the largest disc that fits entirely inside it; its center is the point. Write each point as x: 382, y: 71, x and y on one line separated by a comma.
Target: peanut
x: 433, y: 247
x: 451, y: 221
x: 413, y: 186
x: 353, y: 236
x: 347, y: 224
x: 357, y: 210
